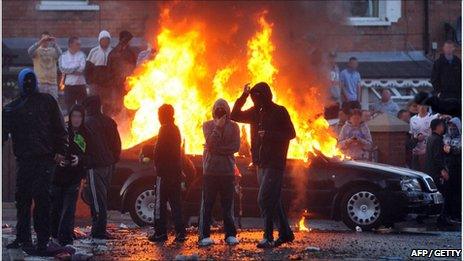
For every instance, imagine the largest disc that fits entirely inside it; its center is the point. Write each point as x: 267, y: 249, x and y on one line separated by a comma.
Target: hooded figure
x: 222, y: 141
x: 107, y: 149
x: 35, y: 124
x: 68, y: 176
x: 271, y: 132
x: 168, y: 167
x: 222, y: 138
x: 453, y: 150
x: 96, y: 70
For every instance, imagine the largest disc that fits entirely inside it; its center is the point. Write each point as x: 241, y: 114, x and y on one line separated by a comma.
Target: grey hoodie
x: 221, y: 144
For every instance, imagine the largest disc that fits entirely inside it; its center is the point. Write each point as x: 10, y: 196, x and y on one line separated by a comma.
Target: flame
x: 180, y: 75
x: 301, y: 224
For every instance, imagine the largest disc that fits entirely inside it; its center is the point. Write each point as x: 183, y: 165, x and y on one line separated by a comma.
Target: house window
x: 67, y: 5
x: 373, y: 12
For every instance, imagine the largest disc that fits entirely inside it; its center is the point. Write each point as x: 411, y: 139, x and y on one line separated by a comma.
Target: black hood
x: 264, y: 92
x: 92, y: 105
x: 79, y: 108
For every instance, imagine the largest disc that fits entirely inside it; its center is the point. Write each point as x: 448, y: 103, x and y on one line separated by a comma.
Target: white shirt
x: 421, y: 125
x: 99, y: 56
x: 73, y: 66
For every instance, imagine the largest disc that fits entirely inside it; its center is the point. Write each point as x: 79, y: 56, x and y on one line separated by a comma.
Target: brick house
x: 394, y: 40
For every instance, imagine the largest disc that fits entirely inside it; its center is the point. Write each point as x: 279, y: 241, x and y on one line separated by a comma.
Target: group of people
x: 271, y: 132
x: 52, y: 159
x: 103, y: 70
x: 434, y: 139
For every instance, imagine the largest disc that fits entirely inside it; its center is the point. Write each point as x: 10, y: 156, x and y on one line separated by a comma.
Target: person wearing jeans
x: 222, y: 138
x: 72, y: 65
x: 68, y: 176
x: 272, y: 130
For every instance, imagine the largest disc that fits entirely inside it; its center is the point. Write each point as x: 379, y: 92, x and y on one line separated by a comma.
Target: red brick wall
x: 21, y: 19
x: 391, y: 147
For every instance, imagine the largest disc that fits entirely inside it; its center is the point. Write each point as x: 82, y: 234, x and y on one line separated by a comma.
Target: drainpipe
x: 426, y: 36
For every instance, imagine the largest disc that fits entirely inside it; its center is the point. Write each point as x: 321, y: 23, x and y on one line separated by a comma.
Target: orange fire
x: 180, y: 75
x: 302, y: 226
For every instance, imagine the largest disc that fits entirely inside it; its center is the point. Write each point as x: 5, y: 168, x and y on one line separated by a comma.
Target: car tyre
x: 361, y: 207
x: 141, y: 204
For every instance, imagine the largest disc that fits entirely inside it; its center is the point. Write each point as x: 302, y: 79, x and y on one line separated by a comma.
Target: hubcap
x: 145, y: 205
x: 363, y: 208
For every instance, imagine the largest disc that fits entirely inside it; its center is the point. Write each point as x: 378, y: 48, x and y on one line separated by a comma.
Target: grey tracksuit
x: 222, y: 142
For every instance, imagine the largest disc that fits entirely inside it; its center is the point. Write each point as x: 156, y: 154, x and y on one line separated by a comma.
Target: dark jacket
x: 104, y: 132
x: 269, y: 151
x: 446, y: 77
x: 221, y: 144
x: 121, y: 63
x: 34, y: 122
x: 167, y: 153
x: 81, y: 145
x: 435, y: 162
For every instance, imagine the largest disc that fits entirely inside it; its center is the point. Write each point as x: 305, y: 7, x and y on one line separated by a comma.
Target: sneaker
x: 180, y: 238
x: 158, y: 238
x: 207, y: 241
x: 265, y: 243
x: 283, y: 240
x: 232, y: 241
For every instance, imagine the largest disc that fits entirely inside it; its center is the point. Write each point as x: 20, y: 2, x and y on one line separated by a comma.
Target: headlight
x: 410, y: 185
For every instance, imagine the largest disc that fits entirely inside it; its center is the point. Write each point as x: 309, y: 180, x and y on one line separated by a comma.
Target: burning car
x: 360, y: 194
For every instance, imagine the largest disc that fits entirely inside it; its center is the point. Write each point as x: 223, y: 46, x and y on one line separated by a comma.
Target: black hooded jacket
x: 34, y: 121
x: 82, y: 145
x: 269, y: 151
x: 435, y: 162
x: 104, y: 133
x: 446, y: 77
x: 167, y: 152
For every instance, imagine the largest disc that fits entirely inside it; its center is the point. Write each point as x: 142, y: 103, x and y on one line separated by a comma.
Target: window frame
x: 389, y: 12
x: 67, y: 5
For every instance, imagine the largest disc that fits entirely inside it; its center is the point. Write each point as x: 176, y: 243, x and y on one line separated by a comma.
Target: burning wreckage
x: 318, y: 177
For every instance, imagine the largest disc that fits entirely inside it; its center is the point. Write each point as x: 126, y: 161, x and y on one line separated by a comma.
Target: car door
x: 320, y: 187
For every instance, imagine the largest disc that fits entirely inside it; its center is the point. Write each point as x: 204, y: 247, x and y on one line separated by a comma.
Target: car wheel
x: 141, y: 206
x: 361, y: 207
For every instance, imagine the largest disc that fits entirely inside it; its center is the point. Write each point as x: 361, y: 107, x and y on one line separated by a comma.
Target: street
x: 327, y: 239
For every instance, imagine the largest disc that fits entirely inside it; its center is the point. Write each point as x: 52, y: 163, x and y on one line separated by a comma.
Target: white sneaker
x: 207, y: 241
x: 232, y: 241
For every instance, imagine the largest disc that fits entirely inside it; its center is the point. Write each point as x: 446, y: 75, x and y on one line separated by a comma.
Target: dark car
x: 360, y: 194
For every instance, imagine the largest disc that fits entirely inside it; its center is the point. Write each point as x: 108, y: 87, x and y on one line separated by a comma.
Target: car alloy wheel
x: 145, y: 206
x: 363, y: 208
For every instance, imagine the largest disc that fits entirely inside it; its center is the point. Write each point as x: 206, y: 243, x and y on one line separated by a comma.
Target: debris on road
x: 312, y: 249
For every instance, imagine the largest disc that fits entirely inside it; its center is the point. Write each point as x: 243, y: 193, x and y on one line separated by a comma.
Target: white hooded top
x: 99, y: 56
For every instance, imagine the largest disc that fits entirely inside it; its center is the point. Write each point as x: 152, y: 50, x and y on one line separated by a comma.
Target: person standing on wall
x: 72, y: 65
x: 45, y: 54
